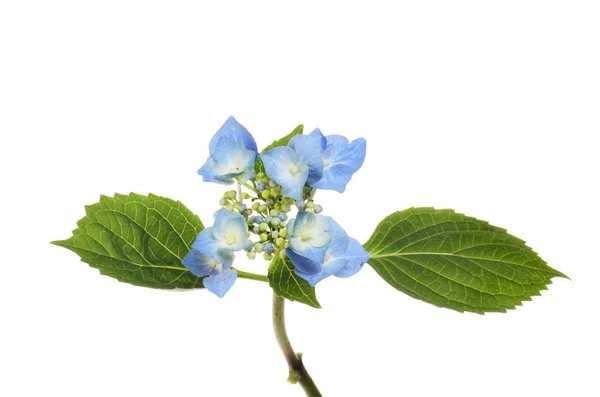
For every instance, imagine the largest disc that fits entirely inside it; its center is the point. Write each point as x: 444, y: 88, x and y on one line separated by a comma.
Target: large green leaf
x: 259, y: 166
x: 287, y: 284
x: 454, y: 261
x: 138, y: 239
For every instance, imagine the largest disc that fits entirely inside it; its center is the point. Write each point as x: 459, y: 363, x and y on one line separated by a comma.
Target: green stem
x: 298, y: 372
x: 252, y: 276
x: 247, y: 185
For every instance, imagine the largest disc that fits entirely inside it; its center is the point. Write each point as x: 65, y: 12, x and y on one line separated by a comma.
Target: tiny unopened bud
x: 251, y: 255
x: 258, y: 247
x: 223, y: 202
x: 264, y: 237
x: 275, y: 221
x: 318, y: 209
x: 263, y: 226
x: 268, y: 257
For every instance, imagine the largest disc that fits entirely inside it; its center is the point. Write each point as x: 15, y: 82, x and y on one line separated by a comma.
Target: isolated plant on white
x: 438, y: 256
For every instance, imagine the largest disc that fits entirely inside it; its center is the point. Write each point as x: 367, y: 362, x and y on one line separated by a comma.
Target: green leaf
x: 454, y: 261
x: 259, y: 166
x: 138, y: 239
x: 287, y: 284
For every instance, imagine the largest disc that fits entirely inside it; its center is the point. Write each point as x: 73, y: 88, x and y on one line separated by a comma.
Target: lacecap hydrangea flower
x: 317, y: 245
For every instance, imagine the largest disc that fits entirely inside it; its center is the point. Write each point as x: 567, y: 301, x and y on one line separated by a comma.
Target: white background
x: 490, y: 108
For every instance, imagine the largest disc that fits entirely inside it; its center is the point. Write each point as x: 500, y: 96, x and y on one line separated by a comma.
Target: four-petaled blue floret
x: 212, y: 251
x: 314, y: 259
x: 233, y: 153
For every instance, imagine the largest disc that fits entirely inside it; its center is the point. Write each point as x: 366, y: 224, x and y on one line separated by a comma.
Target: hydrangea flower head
x: 233, y: 153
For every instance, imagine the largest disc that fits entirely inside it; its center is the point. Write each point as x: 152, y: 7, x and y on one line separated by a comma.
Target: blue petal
x: 200, y: 265
x: 355, y: 257
x: 339, y: 239
x: 302, y: 264
x: 285, y: 167
x: 310, y: 149
x: 318, y: 226
x: 236, y: 132
x: 326, y: 271
x: 222, y: 216
x: 304, y: 220
x: 220, y: 281
x: 228, y: 160
x: 232, y: 158
x: 341, y: 161
x: 332, y: 261
x: 209, y: 176
x: 209, y: 246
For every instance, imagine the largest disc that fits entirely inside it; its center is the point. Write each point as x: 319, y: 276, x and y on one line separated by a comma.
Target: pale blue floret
x: 310, y: 148
x: 228, y: 234
x: 343, y: 257
x: 309, y: 235
x: 232, y: 154
x: 340, y: 161
x: 287, y: 168
x: 218, y: 278
x: 355, y: 256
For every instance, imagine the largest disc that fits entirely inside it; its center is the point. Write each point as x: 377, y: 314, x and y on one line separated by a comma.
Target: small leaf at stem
x: 287, y: 284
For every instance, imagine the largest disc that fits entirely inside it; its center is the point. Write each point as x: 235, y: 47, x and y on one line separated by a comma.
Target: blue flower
x: 342, y: 257
x: 233, y: 153
x: 285, y: 166
x: 323, y: 162
x: 340, y: 161
x: 220, y: 278
x: 310, y: 148
x: 212, y: 251
x: 309, y: 236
